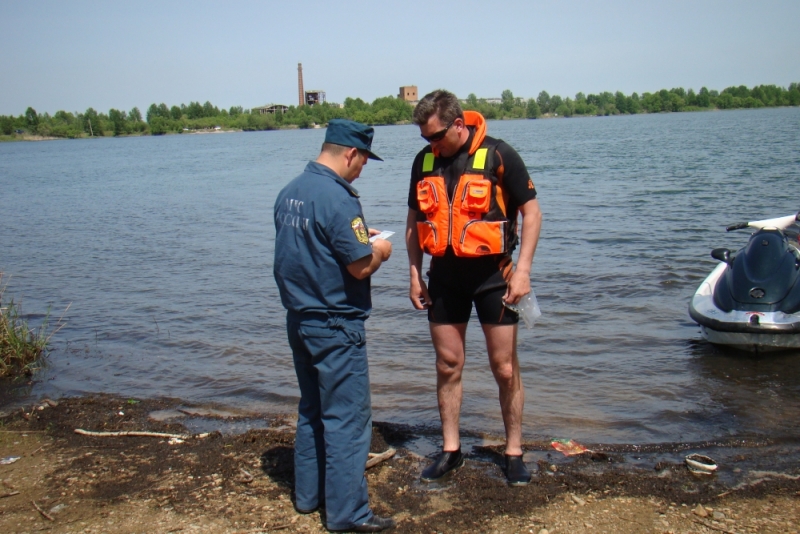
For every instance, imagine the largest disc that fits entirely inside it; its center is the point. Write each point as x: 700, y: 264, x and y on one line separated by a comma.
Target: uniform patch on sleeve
x: 360, y: 229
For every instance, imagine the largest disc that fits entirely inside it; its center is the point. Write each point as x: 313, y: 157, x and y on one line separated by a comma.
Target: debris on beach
x: 700, y: 464
x: 568, y: 447
x: 174, y: 438
x: 242, y: 482
x: 376, y: 458
x: 577, y: 500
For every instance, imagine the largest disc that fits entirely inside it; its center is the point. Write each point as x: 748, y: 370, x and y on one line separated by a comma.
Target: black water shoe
x: 374, y: 524
x: 516, y: 472
x: 446, y: 462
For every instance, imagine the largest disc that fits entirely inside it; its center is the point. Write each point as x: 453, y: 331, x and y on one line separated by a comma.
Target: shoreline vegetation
x: 22, y: 347
x: 389, y: 110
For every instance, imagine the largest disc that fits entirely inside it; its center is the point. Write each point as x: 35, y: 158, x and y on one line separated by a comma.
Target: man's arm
x: 364, y: 267
x: 418, y: 292
x: 520, y: 283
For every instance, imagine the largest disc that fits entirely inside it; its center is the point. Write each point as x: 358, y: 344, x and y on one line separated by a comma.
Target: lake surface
x: 163, y: 247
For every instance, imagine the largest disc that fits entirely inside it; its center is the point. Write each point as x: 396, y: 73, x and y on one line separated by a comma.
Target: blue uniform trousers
x: 334, y: 424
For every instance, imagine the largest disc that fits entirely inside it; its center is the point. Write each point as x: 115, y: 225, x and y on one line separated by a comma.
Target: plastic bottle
x: 527, y: 308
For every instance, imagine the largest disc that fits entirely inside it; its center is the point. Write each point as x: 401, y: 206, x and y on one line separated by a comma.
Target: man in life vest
x: 466, y: 192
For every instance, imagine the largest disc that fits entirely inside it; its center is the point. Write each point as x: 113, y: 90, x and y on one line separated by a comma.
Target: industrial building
x: 312, y: 97
x: 307, y: 98
x: 271, y: 109
x: 409, y: 94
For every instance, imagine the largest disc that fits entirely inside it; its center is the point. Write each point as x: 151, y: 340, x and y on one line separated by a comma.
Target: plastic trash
x: 527, y: 308
x: 700, y: 464
x: 568, y: 447
x: 9, y: 460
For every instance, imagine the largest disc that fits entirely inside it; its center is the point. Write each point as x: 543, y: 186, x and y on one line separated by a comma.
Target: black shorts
x: 452, y: 306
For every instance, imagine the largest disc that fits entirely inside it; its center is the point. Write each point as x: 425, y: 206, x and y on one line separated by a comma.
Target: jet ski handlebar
x: 737, y: 226
x: 779, y: 222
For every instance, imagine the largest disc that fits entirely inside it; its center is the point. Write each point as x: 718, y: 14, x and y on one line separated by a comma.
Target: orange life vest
x: 474, y: 222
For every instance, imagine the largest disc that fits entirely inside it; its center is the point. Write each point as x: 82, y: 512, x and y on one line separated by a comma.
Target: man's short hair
x: 443, y: 104
x: 334, y: 149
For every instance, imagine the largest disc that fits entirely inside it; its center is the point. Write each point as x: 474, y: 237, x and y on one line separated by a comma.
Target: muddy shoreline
x: 242, y: 481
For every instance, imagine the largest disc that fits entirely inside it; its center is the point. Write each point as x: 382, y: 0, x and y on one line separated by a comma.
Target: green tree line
x: 160, y: 119
x: 607, y: 103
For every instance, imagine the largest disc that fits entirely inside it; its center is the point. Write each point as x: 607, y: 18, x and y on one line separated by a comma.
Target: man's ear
x: 351, y: 153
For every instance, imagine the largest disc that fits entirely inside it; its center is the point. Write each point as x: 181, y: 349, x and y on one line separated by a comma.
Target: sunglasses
x: 438, y: 136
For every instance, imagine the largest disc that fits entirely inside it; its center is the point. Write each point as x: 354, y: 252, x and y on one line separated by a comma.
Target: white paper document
x: 383, y: 235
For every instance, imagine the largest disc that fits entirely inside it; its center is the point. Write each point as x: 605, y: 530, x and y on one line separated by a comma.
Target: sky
x: 76, y: 54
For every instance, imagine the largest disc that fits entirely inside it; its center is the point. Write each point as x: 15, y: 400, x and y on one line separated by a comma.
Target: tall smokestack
x: 300, y: 93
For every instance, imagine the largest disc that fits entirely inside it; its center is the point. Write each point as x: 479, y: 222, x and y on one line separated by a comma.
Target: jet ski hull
x: 747, y: 330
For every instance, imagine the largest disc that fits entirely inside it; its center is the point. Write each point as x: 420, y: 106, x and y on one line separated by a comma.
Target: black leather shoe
x: 320, y: 506
x: 516, y: 472
x: 375, y: 524
x: 446, y: 462
x: 305, y: 512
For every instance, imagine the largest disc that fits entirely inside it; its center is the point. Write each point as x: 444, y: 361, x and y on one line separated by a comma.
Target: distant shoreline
x: 26, y: 137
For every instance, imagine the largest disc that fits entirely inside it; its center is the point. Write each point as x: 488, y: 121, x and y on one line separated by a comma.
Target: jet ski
x: 751, y: 300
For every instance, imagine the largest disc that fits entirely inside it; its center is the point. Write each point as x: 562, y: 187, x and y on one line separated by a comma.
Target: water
x: 163, y: 246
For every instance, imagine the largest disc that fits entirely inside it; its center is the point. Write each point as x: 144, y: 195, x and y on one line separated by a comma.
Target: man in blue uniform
x: 323, y: 262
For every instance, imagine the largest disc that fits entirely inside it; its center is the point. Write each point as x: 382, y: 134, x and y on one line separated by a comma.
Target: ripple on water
x: 163, y: 247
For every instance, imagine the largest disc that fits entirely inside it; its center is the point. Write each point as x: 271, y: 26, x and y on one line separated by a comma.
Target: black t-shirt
x: 516, y: 181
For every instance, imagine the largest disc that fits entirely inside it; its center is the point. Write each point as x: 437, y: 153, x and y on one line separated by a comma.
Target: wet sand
x: 242, y: 481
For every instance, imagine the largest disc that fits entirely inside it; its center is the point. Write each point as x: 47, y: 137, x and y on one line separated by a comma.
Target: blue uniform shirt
x: 319, y: 230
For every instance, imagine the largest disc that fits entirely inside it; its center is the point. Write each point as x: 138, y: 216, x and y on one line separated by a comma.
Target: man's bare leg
x: 449, y: 342
x: 501, y: 344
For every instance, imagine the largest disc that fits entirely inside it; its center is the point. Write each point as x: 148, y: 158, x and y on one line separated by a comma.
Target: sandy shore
x: 56, y: 480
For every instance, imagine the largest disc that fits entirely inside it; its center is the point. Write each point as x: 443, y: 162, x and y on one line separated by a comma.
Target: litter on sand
x: 9, y: 460
x: 568, y: 447
x: 697, y: 463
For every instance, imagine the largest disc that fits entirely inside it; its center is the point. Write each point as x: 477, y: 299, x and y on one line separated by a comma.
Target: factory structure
x: 312, y: 97
x: 307, y: 98
x: 409, y: 94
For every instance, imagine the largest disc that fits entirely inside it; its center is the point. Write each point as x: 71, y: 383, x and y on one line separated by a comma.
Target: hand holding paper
x: 383, y: 235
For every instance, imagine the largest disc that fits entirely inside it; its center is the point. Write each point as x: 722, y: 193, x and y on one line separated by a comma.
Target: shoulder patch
x: 360, y: 229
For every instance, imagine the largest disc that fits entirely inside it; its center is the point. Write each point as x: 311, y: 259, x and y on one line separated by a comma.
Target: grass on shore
x: 21, y: 347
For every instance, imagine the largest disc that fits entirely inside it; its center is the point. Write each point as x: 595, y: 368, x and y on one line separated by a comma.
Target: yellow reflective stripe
x: 427, y: 163
x: 480, y: 159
